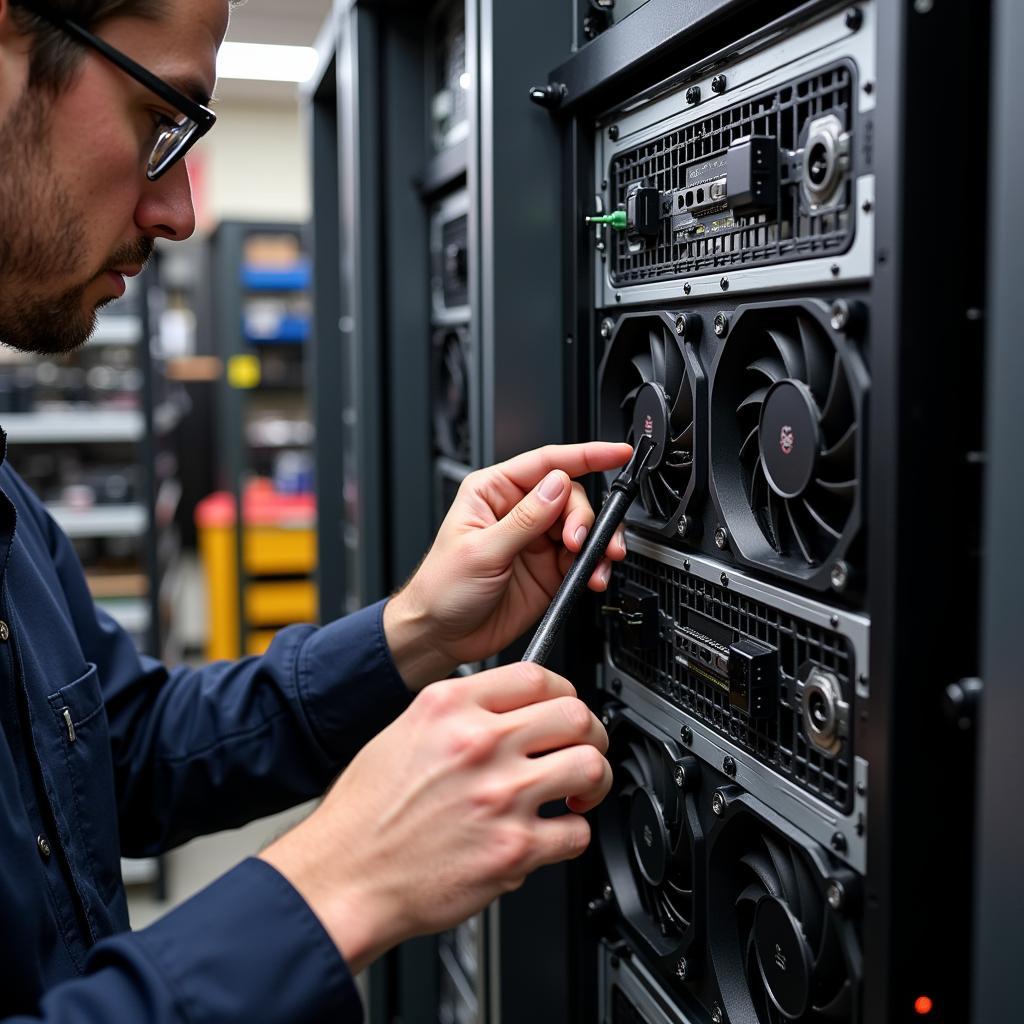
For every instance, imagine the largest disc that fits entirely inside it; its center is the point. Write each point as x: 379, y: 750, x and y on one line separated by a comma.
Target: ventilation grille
x: 756, y: 238
x: 778, y: 740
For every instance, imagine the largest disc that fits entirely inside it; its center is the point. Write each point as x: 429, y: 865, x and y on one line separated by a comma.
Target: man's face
x: 77, y: 212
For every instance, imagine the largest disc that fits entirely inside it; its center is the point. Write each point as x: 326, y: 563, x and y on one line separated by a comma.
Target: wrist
x: 410, y: 636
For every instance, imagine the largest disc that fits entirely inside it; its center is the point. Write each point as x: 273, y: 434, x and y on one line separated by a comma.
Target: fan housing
x: 782, y: 933
x: 651, y: 382
x: 789, y: 396
x: 652, y: 840
x: 450, y: 393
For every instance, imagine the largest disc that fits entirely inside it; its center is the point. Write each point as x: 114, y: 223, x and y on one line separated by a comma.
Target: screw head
x: 683, y: 525
x: 834, y: 270
x: 721, y: 324
x: 686, y: 565
x: 682, y: 969
x: 729, y: 766
x: 606, y: 719
x: 679, y: 776
x: 838, y: 842
x: 693, y: 94
x: 718, y: 84
x: 613, y: 132
x: 607, y: 892
x: 717, y: 1017
x: 854, y: 18
x: 867, y: 206
x: 724, y: 284
x: 686, y: 735
x: 686, y: 287
x: 840, y: 315
x: 835, y: 894
x: 834, y: 621
x: 681, y: 324
x: 616, y: 686
x: 725, y: 579
x: 721, y: 538
x: 606, y: 328
x: 839, y: 576
x: 718, y: 803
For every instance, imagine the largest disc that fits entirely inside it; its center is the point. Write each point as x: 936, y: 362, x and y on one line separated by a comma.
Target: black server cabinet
x: 781, y: 655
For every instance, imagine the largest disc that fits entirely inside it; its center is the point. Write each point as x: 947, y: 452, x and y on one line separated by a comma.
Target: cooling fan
x: 651, y: 837
x: 787, y: 432
x: 651, y: 382
x: 450, y: 390
x: 783, y: 942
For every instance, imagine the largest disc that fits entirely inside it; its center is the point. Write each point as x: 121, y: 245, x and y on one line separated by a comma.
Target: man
x: 104, y: 752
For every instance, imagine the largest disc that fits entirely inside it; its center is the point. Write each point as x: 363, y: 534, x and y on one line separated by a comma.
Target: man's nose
x: 165, y: 208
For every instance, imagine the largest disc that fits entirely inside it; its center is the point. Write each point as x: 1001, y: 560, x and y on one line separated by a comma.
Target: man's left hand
x: 498, y: 559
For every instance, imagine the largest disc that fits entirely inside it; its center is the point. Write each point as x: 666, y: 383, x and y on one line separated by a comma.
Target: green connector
x: 616, y: 220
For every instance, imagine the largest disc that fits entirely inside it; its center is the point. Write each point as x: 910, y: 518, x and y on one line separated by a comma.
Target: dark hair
x: 55, y: 55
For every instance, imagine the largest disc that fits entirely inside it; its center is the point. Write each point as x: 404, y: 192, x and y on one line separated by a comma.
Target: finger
x: 579, y: 518
x: 617, y: 548
x: 527, y: 520
x: 558, y: 839
x: 575, y: 459
x: 581, y: 772
x: 516, y: 686
x: 601, y: 577
x: 562, y: 722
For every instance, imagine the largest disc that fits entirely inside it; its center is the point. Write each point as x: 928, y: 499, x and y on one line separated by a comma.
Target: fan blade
x: 753, y: 400
x: 657, y: 344
x: 761, y: 866
x: 675, y: 368
x: 663, y: 787
x: 672, y: 492
x: 842, y: 488
x: 842, y: 455
x: 769, y: 367
x: 828, y: 961
x: 632, y: 768
x: 838, y: 409
x: 638, y: 751
x: 815, y: 360
x: 784, y: 870
x: 753, y: 893
x: 679, y: 919
x: 812, y: 916
x: 642, y: 362
x: 804, y: 549
x: 650, y: 498
x: 631, y: 397
x: 840, y: 1008
x: 682, y: 405
x: 830, y: 530
x: 773, y: 518
x: 750, y: 445
x: 790, y: 352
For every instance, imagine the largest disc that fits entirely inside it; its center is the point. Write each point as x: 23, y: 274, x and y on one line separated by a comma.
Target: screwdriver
x: 622, y: 493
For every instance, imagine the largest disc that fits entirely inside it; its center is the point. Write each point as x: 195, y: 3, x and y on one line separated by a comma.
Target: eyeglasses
x: 175, y: 138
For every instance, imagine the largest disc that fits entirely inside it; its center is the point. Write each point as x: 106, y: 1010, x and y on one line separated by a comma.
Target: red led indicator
x: 923, y: 1005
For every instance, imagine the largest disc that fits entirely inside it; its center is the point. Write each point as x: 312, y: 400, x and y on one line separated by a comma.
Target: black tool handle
x: 607, y: 522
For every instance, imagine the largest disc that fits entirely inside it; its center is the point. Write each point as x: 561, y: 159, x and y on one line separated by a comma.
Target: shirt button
x: 44, y: 846
x: 5, y: 631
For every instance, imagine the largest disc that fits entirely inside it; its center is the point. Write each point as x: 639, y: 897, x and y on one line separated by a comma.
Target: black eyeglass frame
x: 202, y: 118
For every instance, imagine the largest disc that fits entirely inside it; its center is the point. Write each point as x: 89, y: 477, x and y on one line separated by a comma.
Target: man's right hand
x: 437, y: 815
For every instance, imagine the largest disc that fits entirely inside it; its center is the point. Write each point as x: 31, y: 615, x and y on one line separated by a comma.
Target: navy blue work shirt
x: 104, y: 752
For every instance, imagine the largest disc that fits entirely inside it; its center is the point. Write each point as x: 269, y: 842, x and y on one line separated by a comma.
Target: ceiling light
x: 266, y: 62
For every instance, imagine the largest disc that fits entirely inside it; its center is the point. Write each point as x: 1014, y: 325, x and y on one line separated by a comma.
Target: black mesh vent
x: 755, y: 238
x: 623, y: 1011
x: 778, y: 740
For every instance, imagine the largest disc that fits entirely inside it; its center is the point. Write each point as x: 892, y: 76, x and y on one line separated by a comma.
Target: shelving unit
x: 260, y: 296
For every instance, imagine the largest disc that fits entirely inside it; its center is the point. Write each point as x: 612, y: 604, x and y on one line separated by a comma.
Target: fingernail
x: 580, y: 535
x: 604, y: 574
x: 551, y: 486
x: 622, y: 539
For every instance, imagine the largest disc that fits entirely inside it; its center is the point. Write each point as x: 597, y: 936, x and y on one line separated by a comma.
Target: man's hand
x: 498, y: 559
x: 437, y: 815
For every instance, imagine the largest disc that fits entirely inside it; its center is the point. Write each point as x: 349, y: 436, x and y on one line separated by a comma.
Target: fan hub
x: 651, y: 417
x: 790, y: 438
x: 783, y: 957
x: 649, y: 835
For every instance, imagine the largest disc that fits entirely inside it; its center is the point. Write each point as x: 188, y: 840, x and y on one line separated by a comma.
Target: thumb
x: 530, y: 519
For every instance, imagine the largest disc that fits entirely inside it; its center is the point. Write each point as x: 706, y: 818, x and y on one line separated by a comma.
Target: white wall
x: 254, y: 165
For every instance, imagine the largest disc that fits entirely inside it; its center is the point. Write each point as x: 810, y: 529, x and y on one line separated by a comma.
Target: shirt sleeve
x: 247, y: 948
x: 197, y: 750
